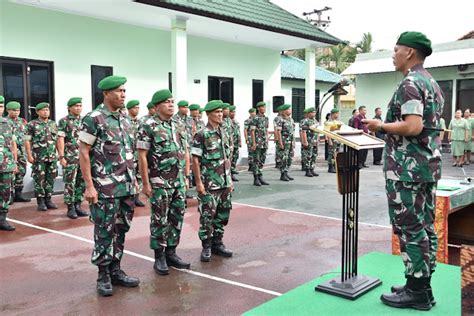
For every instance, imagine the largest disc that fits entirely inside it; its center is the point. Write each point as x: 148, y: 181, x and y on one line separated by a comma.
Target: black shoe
x: 408, y: 299
x: 289, y: 177
x: 49, y: 204
x: 4, y: 225
x: 79, y: 211
x: 308, y: 174
x: 104, y: 283
x: 315, y: 174
x: 220, y: 250
x: 71, y: 211
x: 377, y: 163
x: 331, y: 169
x: 19, y: 197
x: 365, y: 166
x: 262, y: 182
x: 234, y: 178
x: 160, y: 265
x: 119, y: 277
x: 206, y: 251
x: 137, y: 201
x: 41, y: 204
x: 256, y: 180
x: 173, y: 260
x: 283, y: 177
x: 234, y: 172
x: 400, y: 288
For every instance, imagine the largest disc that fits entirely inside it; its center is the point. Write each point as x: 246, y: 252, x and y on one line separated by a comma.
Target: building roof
x: 444, y: 55
x: 295, y: 68
x: 261, y: 14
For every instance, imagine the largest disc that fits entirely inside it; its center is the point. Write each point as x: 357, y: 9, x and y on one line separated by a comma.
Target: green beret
x: 335, y: 110
x: 252, y: 110
x: 261, y: 103
x: 416, y: 40
x: 13, y: 105
x: 132, y: 104
x: 150, y: 105
x: 213, y: 105
x: 194, y: 107
x: 73, y: 101
x: 2, y: 99
x: 183, y: 103
x: 111, y: 82
x: 232, y: 108
x: 310, y: 110
x: 284, y: 107
x: 225, y: 105
x: 160, y: 96
x: 41, y: 105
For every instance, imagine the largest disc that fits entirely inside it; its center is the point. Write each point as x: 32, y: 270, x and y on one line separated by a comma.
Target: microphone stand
x: 320, y: 110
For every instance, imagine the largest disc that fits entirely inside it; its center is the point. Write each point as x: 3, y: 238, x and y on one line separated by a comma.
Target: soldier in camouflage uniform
x: 106, y: 159
x: 305, y: 116
x: 259, y: 142
x: 133, y: 107
x: 309, y: 142
x: 184, y: 119
x: 41, y: 136
x: 227, y: 124
x: 252, y: 113
x: 198, y: 123
x: 237, y: 142
x: 68, y: 149
x: 164, y: 165
x: 19, y: 125
x: 333, y: 145
x: 8, y: 157
x: 277, y: 122
x: 211, y: 167
x: 285, y: 131
x: 412, y: 168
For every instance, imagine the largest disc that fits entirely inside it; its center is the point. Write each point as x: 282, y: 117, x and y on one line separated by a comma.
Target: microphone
x: 343, y: 82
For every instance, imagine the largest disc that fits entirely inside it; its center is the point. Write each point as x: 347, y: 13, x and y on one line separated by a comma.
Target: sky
x: 441, y: 21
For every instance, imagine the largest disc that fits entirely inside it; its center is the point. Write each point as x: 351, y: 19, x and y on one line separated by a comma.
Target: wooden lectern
x: 350, y: 285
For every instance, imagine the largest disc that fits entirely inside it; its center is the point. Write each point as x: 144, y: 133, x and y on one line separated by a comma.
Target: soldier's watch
x: 381, y: 130
x: 61, y: 157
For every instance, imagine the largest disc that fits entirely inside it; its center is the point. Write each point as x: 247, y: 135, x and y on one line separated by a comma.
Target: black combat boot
x: 104, y: 283
x: 218, y: 248
x: 41, y: 204
x: 79, y: 211
x: 206, y: 251
x: 160, y: 265
x: 234, y: 172
x: 119, y: 277
x: 71, y: 211
x: 137, y: 201
x: 173, y: 260
x: 250, y: 167
x: 234, y: 178
x: 400, y: 288
x: 49, y: 204
x: 414, y: 295
x: 284, y: 177
x: 4, y: 225
x: 289, y: 177
x: 331, y: 169
x: 308, y: 173
x: 262, y: 182
x: 315, y: 174
x: 19, y: 197
x: 256, y: 180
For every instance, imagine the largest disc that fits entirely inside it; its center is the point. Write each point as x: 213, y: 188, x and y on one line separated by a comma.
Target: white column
x: 310, y: 79
x: 179, y: 58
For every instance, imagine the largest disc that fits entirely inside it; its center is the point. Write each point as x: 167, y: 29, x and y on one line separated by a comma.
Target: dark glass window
x: 97, y: 74
x: 257, y: 91
x: 298, y: 103
x: 465, y: 94
x: 221, y: 88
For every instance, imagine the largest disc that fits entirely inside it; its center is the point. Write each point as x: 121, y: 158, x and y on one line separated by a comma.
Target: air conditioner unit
x: 466, y: 70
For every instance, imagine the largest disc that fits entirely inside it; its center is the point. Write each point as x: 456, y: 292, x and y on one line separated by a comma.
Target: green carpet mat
x: 304, y: 300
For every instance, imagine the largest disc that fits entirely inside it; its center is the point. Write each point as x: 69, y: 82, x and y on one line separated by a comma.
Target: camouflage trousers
x: 167, y: 215
x: 411, y: 206
x: 332, y: 152
x: 137, y: 174
x: 214, y: 208
x: 5, y: 187
x: 259, y: 156
x: 308, y: 156
x: 277, y: 156
x: 73, y: 184
x: 235, y: 158
x: 250, y: 156
x: 20, y: 175
x: 285, y: 156
x: 43, y: 174
x: 112, y: 219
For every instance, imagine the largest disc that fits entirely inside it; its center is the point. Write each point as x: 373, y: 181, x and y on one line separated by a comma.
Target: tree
x: 336, y: 59
x: 365, y: 44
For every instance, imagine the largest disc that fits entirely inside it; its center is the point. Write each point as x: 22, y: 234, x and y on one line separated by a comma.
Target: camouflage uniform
x: 412, y: 168
x: 135, y: 123
x: 197, y: 125
x: 333, y: 149
x: 235, y: 127
x: 7, y: 165
x: 43, y: 137
x: 248, y: 141
x: 285, y: 155
x: 69, y: 127
x: 187, y: 122
x: 19, y: 127
x: 260, y: 125
x: 310, y: 153
x: 277, y: 122
x: 113, y: 174
x: 213, y: 149
x: 166, y: 144
x: 227, y: 125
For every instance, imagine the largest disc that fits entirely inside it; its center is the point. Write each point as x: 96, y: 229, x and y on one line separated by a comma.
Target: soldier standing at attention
x: 40, y: 142
x: 68, y: 150
x: 164, y: 165
x: 277, y: 122
x: 235, y: 127
x: 252, y: 113
x: 285, y: 131
x: 198, y: 123
x: 133, y: 107
x: 184, y: 119
x: 333, y: 145
x: 106, y: 159
x: 211, y: 168
x: 309, y: 143
x: 259, y: 140
x: 412, y: 169
x: 8, y: 167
